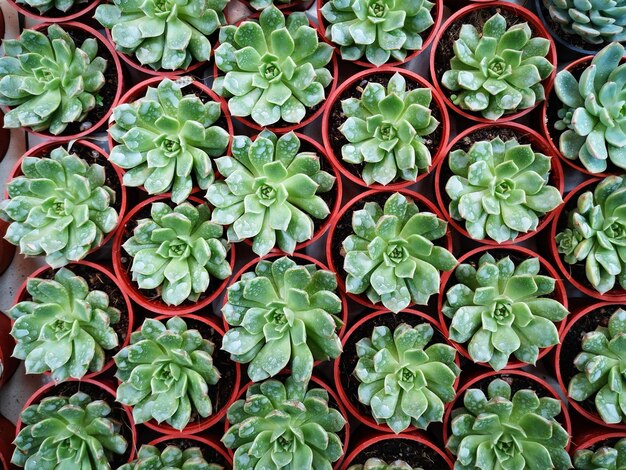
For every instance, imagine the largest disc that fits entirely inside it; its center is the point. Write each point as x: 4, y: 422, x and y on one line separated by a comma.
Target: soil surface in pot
x: 572, y: 39
x: 412, y: 452
x: 209, y: 453
x: 337, y: 118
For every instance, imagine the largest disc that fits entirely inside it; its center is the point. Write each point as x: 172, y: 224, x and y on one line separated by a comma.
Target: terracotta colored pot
x: 416, y: 442
x: 88, y: 7
x: 437, y: 104
x: 123, y: 273
x: 120, y: 412
x: 119, y: 85
x: 46, y: 272
x: 572, y: 343
x: 448, y: 280
x: 343, y: 377
x: 7, y: 250
x: 436, y: 13
x: 334, y: 258
x: 578, y: 279
x: 7, y: 434
x: 519, y: 11
x: 214, y: 446
x: 7, y: 361
x: 524, y: 135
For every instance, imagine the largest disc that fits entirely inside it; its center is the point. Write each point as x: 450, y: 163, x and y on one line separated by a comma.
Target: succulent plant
x: 167, y: 140
x: 270, y: 192
x: 165, y: 373
x: 391, y: 256
x: 497, y: 70
x: 604, y: 458
x: 283, y: 312
x: 60, y: 207
x: 501, y: 431
x: 68, y: 432
x: 177, y: 251
x: 262, y: 4
x: 378, y: 464
x: 284, y: 426
x: 500, y: 189
x: 386, y: 129
x: 274, y: 69
x: 46, y: 5
x: 596, y: 22
x: 170, y: 458
x: 49, y: 82
x: 65, y: 328
x: 163, y: 34
x: 503, y: 309
x: 593, y: 114
x: 601, y: 364
x: 403, y: 381
x: 596, y: 234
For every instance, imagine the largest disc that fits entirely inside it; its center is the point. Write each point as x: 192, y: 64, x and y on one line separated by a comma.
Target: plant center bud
x: 377, y: 9
x: 396, y: 253
x: 387, y: 131
x: 616, y: 230
x: 58, y: 207
x: 406, y: 375
x: 279, y: 317
x: 503, y: 188
x: 502, y: 310
x: 270, y: 70
x: 171, y: 146
x: 266, y: 192
x: 496, y: 67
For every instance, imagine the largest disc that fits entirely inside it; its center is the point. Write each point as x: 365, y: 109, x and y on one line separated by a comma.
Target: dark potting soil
x: 412, y: 452
x: 67, y: 389
x: 572, y: 39
x: 337, y: 118
x: 349, y: 358
x: 209, y: 454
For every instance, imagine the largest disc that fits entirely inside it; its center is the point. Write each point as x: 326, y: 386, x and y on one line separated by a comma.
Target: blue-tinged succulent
x: 163, y: 34
x: 386, y: 128
x: 378, y: 464
x: 497, y: 70
x: 391, y: 256
x: 604, y: 458
x: 73, y: 432
x: 593, y: 118
x: 270, y: 192
x: 274, y: 69
x: 170, y: 458
x: 60, y: 207
x: 283, y: 313
x: 380, y: 30
x: 508, y: 432
x: 503, y: 309
x: 48, y: 81
x: 167, y: 140
x: 284, y: 426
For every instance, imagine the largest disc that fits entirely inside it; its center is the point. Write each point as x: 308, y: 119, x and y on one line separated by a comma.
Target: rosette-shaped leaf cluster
x: 403, y: 381
x: 60, y: 207
x: 165, y: 373
x: 500, y: 189
x: 503, y: 309
x: 391, y: 256
x: 270, y: 192
x: 500, y: 431
x: 283, y: 313
x: 48, y: 81
x: 65, y: 328
x: 167, y: 141
x: 601, y: 364
x: 170, y: 458
x: 45, y: 5
x: 604, y: 458
x: 498, y: 70
x: 596, y: 234
x: 596, y: 21
x: 177, y: 251
x: 378, y: 464
x: 593, y: 118
x: 68, y: 432
x: 284, y: 426
x: 380, y: 30
x: 274, y: 69
x: 386, y: 129
x: 163, y: 34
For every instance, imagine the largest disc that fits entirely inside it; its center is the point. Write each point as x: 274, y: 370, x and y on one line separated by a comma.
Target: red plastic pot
x: 475, y: 380
x: 7, y: 250
x: 437, y: 103
x: 527, y: 135
x: 447, y: 280
x: 34, y: 14
x: 596, y: 438
x: 366, y: 418
x: 436, y: 13
x: 208, y: 442
x: 567, y: 344
x: 7, y: 361
x: 156, y: 306
x: 415, y: 438
x: 617, y: 294
x: 422, y: 202
x: 127, y: 422
x: 519, y: 11
x: 7, y: 434
x: 22, y: 295
x: 102, y: 43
